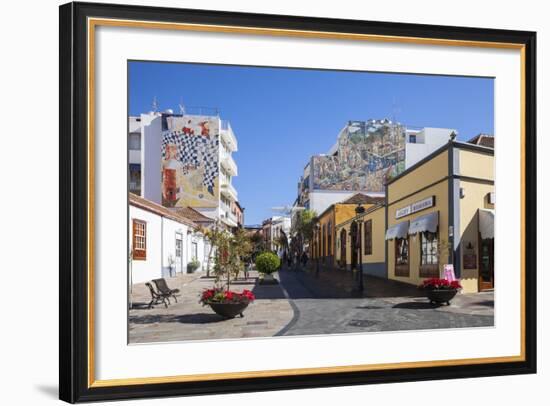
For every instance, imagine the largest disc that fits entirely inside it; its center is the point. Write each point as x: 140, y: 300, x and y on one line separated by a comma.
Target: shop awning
x: 487, y: 223
x: 398, y: 230
x: 427, y: 222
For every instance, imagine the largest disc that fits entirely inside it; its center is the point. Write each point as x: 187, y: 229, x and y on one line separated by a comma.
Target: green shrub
x: 193, y: 265
x: 267, y: 263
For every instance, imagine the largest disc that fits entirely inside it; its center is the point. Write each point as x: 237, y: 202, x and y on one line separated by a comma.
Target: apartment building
x: 185, y: 160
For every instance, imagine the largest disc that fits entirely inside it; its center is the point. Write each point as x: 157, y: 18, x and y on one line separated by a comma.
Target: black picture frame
x: 74, y: 383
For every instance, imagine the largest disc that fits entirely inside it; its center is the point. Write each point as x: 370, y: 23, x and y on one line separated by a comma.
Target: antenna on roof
x: 181, y: 106
x: 395, y: 110
x: 155, y: 104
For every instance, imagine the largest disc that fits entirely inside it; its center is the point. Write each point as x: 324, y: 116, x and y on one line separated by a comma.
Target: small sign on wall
x: 469, y: 261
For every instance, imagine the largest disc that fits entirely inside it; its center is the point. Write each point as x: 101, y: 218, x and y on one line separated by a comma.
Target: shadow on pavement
x: 341, y: 284
x: 268, y: 292
x: 488, y: 303
x: 197, y: 318
x: 415, y: 305
x: 141, y: 305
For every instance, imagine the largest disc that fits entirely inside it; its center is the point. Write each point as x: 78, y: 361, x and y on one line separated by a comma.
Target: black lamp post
x: 358, y: 211
x: 318, y: 246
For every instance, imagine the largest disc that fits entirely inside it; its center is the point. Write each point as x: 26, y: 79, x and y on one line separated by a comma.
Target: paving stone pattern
x: 304, y: 303
x: 189, y: 320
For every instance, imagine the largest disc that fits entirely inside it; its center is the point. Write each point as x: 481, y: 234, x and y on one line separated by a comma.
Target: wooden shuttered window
x: 139, y: 239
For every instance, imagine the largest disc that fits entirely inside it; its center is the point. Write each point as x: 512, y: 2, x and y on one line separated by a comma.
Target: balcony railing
x: 228, y: 135
x: 229, y: 164
x: 229, y: 190
x: 229, y: 218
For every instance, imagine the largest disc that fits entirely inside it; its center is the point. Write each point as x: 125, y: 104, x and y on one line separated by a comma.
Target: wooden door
x: 486, y: 264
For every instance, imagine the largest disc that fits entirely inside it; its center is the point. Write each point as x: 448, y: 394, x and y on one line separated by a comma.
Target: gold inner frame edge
x: 94, y: 22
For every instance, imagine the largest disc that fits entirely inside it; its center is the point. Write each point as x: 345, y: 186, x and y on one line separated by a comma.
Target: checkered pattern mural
x: 194, y: 151
x: 190, y: 159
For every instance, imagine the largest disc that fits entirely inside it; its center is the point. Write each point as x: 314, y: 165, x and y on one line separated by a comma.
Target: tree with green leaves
x: 303, y: 227
x: 231, y: 250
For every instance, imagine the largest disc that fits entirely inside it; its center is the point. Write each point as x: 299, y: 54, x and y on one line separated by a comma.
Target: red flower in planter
x: 219, y: 295
x: 439, y: 283
x: 248, y: 295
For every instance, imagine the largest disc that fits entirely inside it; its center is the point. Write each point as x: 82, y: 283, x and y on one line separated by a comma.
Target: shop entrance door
x: 486, y: 264
x: 179, y: 252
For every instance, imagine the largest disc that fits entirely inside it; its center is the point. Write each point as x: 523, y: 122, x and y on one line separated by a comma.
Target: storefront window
x: 401, y: 257
x: 428, y: 243
x: 429, y: 255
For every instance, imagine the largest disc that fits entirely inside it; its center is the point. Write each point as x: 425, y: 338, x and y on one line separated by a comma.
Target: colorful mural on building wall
x: 190, y: 171
x: 367, y: 153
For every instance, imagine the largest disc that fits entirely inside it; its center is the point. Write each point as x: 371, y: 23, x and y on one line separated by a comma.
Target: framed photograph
x: 261, y: 202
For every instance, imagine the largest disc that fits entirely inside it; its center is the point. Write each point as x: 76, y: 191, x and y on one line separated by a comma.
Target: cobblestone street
x: 304, y: 303
x: 322, y: 306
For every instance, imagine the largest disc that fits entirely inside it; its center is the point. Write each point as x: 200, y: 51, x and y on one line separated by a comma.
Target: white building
x: 273, y: 229
x: 162, y: 242
x: 184, y: 160
x: 421, y: 143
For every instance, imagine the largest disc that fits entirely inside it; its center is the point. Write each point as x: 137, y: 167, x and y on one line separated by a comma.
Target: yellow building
x: 324, y: 244
x: 441, y: 211
x: 372, y: 226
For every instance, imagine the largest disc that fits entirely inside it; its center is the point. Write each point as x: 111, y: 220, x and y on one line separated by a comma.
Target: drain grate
x: 362, y: 323
x: 256, y: 323
x: 369, y: 307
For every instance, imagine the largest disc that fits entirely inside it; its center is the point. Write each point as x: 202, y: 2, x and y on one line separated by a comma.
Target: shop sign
x: 415, y: 207
x: 469, y: 261
x: 405, y: 211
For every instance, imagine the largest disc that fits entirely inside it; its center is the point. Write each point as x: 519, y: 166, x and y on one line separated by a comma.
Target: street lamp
x: 358, y: 211
x: 318, y: 246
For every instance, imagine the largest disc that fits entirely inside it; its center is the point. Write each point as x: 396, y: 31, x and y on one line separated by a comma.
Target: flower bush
x: 267, y: 262
x: 439, y: 283
x: 219, y: 295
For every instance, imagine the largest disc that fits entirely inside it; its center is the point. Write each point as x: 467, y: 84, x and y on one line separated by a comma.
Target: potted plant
x: 439, y: 290
x: 230, y: 251
x: 266, y: 264
x: 227, y: 303
x: 193, y: 265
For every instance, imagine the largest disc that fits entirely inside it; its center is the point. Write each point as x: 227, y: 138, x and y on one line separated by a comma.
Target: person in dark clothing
x: 289, y: 259
x: 304, y: 258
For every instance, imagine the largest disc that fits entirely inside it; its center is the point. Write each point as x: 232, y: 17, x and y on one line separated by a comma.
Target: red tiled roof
x: 153, y: 207
x: 485, y: 140
x: 193, y: 215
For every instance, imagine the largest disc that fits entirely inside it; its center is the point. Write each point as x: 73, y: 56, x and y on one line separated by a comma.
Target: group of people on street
x: 291, y: 258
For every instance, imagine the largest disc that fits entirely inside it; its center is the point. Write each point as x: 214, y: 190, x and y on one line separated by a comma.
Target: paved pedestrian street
x: 322, y: 306
x: 189, y: 320
x: 304, y: 303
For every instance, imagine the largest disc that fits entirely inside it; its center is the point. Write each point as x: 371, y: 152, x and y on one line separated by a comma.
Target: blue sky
x: 283, y: 116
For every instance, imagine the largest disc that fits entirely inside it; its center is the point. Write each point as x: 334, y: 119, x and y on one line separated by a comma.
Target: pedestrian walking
x: 304, y: 259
